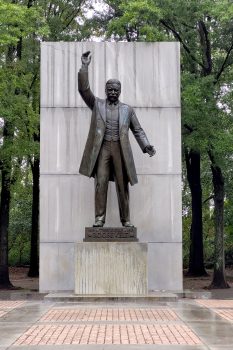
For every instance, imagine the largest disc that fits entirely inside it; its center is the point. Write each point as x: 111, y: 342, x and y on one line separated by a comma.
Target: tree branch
x: 206, y: 47
x: 187, y: 162
x: 33, y: 80
x: 224, y: 65
x: 73, y: 15
x: 71, y: 19
x: 178, y: 37
x: 189, y: 128
x: 208, y: 199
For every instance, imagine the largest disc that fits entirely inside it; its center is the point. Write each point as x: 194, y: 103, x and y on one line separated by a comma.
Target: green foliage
x: 20, y: 214
x: 19, y: 21
x: 140, y: 18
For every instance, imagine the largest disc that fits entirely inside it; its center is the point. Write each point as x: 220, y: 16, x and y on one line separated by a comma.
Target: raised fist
x: 86, y: 58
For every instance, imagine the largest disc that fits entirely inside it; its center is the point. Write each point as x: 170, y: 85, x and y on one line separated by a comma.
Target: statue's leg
x: 101, y: 183
x: 121, y: 181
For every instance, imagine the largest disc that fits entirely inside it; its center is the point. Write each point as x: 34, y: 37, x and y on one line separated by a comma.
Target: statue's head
x: 113, y: 90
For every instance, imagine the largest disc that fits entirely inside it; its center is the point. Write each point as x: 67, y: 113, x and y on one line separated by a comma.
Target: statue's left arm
x: 140, y: 135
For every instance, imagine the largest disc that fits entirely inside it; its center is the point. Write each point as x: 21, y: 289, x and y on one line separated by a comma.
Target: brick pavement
x: 8, y: 305
x: 107, y: 314
x: 11, y: 304
x: 108, y: 334
x: 226, y: 314
x: 223, y: 308
x: 2, y: 313
x: 76, y: 325
x: 217, y: 303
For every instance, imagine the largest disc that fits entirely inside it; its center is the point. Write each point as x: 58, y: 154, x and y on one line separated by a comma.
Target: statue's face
x: 113, y: 92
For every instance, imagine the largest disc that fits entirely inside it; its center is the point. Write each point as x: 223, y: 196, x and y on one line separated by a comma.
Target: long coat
x: 127, y: 120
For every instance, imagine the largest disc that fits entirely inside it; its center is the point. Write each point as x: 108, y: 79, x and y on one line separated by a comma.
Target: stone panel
x: 63, y: 137
x: 154, y: 204
x: 111, y: 268
x: 56, y: 266
x: 157, y: 86
x: 66, y: 207
x: 64, y: 132
x: 165, y: 266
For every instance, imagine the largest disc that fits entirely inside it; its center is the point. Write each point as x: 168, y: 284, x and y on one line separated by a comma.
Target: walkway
x: 185, y: 324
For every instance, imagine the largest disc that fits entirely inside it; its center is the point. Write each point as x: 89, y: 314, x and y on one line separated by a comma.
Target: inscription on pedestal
x: 110, y: 234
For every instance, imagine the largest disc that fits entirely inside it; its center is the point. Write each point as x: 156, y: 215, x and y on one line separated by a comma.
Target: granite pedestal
x: 111, y: 268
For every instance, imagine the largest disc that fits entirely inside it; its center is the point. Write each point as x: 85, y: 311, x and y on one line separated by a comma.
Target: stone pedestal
x: 111, y: 268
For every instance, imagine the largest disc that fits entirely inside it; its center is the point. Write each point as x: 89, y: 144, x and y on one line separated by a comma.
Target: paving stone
x: 11, y: 304
x: 54, y: 334
x: 216, y: 303
x: 226, y: 314
x: 103, y: 314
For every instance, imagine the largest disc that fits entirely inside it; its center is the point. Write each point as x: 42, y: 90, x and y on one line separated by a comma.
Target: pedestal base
x: 116, y: 268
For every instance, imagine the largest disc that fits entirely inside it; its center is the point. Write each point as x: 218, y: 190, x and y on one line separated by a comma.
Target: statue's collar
x: 112, y: 103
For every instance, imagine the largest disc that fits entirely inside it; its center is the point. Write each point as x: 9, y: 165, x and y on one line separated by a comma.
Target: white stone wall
x: 150, y: 78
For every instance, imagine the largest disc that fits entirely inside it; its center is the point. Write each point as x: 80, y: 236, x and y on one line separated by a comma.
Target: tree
x: 17, y: 21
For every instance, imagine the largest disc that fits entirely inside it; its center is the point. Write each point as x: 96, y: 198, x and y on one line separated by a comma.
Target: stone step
x: 150, y: 298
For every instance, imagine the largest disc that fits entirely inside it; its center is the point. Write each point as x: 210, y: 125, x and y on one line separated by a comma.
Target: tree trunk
x: 34, y: 253
x: 196, y: 256
x: 219, y: 279
x: 4, y: 215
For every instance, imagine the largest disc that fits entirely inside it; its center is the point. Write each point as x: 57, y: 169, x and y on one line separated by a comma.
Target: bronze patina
x: 107, y: 154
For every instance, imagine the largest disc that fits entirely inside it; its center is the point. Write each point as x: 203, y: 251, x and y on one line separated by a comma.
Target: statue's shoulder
x: 126, y: 107
x: 100, y: 101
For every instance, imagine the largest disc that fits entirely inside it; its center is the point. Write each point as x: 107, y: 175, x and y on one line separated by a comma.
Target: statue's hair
x: 113, y: 81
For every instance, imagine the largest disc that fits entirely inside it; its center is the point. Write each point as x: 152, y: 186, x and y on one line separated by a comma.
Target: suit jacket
x: 127, y: 120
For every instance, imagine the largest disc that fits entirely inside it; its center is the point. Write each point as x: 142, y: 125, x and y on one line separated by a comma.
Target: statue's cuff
x: 84, y: 68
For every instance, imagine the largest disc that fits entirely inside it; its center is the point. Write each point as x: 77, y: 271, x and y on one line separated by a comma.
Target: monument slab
x: 153, y: 90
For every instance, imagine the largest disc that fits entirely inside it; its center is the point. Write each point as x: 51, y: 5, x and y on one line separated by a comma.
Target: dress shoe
x: 127, y: 224
x: 98, y: 223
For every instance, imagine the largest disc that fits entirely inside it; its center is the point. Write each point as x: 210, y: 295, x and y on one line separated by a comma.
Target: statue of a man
x: 107, y: 154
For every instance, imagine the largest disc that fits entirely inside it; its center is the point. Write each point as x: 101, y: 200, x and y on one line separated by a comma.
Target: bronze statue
x: 107, y: 154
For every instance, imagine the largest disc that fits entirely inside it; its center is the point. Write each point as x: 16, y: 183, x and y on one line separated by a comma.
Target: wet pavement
x: 183, y: 324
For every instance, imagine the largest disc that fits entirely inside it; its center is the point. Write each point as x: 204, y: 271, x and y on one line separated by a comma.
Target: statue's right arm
x: 83, y: 84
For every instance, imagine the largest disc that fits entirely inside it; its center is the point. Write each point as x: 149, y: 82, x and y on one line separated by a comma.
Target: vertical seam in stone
x: 135, y: 71
x: 52, y: 74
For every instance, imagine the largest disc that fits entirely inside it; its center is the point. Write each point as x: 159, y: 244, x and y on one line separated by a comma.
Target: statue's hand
x: 86, y: 58
x: 150, y: 150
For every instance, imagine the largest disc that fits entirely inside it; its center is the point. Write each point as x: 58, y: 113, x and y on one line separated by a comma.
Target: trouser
x: 110, y: 157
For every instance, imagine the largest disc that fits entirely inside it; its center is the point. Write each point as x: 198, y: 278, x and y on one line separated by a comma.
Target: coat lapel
x: 102, y: 109
x: 123, y: 114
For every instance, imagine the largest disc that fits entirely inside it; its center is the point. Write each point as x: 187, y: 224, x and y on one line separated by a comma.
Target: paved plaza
x: 183, y: 324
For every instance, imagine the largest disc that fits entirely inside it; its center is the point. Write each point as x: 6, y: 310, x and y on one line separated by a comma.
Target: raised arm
x: 83, y: 81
